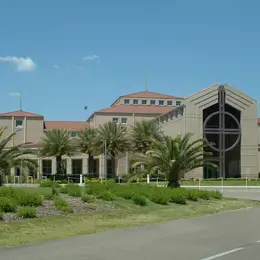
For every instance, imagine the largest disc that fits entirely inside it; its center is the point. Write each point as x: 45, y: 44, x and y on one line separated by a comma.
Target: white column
x: 25, y: 130
x: 101, y: 166
x: 12, y: 171
x: 39, y: 172
x: 53, y: 165
x: 13, y: 130
x: 85, y: 164
x: 69, y: 166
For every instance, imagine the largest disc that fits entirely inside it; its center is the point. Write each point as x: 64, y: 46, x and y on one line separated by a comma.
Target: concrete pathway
x: 225, y: 236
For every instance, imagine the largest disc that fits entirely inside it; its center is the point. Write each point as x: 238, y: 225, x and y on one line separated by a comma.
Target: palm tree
x: 13, y: 156
x: 112, y: 139
x: 85, y: 142
x: 144, y: 133
x: 57, y: 142
x: 175, y: 157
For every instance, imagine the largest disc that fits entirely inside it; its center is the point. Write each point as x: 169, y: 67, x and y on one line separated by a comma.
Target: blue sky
x: 183, y: 46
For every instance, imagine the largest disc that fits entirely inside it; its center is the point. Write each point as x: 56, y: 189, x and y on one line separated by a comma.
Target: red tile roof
x: 69, y: 125
x: 136, y: 109
x: 20, y: 113
x: 149, y: 94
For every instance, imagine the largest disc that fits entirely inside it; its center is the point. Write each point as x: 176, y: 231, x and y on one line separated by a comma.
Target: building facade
x: 220, y: 114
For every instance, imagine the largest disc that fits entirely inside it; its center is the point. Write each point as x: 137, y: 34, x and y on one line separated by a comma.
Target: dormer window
x: 127, y: 101
x: 144, y: 102
x: 161, y: 102
x: 178, y: 103
x: 152, y: 102
x: 169, y: 103
x: 135, y: 101
x: 19, y: 124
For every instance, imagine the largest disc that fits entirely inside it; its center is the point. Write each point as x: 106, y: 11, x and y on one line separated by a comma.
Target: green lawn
x: 119, y: 213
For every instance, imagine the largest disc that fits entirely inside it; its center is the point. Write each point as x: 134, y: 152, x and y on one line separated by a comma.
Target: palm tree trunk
x: 58, y: 166
x: 174, y: 184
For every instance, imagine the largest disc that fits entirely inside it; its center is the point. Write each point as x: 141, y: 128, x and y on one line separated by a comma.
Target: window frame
x: 73, y: 134
x: 144, y: 102
x: 135, y: 101
x: 125, y: 120
x: 178, y: 102
x: 113, y: 120
x: 152, y: 102
x: 169, y: 101
x: 161, y: 101
x: 20, y: 125
x: 125, y: 101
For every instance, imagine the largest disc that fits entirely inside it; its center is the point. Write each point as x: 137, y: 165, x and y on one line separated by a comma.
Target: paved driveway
x: 225, y: 236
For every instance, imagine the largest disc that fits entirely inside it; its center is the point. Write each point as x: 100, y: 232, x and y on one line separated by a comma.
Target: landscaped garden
x: 36, y: 214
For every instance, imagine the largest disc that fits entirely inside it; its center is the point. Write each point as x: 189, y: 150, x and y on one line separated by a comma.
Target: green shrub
x: 1, y: 215
x: 46, y: 183
x: 7, y: 204
x: 66, y: 209
x: 54, y: 191
x: 159, y: 198
x: 203, y: 194
x: 125, y: 194
x: 191, y: 195
x: 95, y: 181
x: 87, y: 198
x: 27, y: 212
x: 178, y: 198
x: 215, y: 195
x: 139, y: 200
x: 74, y: 191
x: 29, y: 199
x: 105, y: 195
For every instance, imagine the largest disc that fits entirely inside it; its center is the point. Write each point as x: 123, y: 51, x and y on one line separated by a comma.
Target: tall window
x: 19, y: 123
x: 161, y: 102
x: 123, y: 120
x: 152, y: 102
x: 144, y: 102
x: 46, y: 166
x: 135, y: 102
x: 178, y: 103
x: 115, y: 120
x: 77, y: 166
x: 169, y: 103
x: 127, y: 101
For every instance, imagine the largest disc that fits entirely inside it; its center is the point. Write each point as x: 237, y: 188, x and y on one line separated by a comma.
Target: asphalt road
x: 225, y: 236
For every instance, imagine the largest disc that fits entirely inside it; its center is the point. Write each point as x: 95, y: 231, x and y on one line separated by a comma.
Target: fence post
x: 246, y: 183
x: 157, y: 181
x: 80, y: 179
x: 148, y: 179
x: 222, y: 185
x: 199, y: 183
x: 118, y: 179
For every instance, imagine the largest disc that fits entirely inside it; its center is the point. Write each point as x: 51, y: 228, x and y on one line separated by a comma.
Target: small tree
x: 13, y: 156
x: 144, y: 133
x: 175, y: 157
x: 57, y: 142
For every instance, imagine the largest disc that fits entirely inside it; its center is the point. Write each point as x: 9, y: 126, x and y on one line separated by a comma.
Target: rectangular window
x: 169, y: 103
x: 124, y: 120
x: 161, y: 102
x: 152, y: 102
x: 77, y: 166
x: 46, y: 167
x: 178, y: 103
x: 135, y: 101
x: 115, y: 120
x: 73, y: 134
x: 144, y: 102
x: 19, y: 123
x: 127, y: 101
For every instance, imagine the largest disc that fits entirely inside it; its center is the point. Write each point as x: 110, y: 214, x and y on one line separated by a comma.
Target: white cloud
x: 14, y: 94
x: 22, y: 64
x: 56, y: 66
x: 91, y: 57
